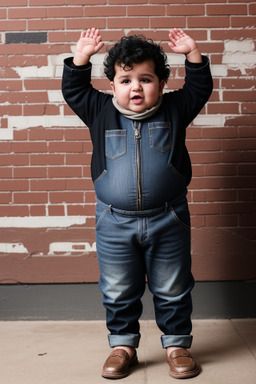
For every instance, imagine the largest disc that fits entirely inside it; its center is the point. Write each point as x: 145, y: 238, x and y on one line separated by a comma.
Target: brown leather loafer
x: 118, y: 363
x: 182, y: 365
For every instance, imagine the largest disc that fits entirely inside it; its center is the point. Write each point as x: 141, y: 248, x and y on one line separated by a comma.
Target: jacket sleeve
x: 196, y: 90
x: 79, y: 94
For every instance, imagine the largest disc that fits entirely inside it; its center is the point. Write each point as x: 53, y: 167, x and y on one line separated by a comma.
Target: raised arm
x: 89, y: 43
x: 180, y: 42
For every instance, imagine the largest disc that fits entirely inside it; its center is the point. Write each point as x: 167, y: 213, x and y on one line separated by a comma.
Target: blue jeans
x: 131, y: 245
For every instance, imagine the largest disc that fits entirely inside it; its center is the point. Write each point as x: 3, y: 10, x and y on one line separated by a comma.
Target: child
x: 141, y: 170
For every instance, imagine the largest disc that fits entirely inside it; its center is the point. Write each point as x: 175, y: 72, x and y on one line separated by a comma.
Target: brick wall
x: 46, y: 196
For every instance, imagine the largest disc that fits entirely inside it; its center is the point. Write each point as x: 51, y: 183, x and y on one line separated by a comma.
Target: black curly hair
x: 134, y: 50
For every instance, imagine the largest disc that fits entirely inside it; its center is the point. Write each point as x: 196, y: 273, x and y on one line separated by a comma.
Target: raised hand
x: 180, y: 42
x: 88, y: 44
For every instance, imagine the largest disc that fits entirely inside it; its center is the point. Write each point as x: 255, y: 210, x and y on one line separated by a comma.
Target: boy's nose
x: 136, y: 86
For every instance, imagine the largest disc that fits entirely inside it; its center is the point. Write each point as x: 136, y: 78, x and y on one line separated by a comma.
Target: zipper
x: 137, y: 127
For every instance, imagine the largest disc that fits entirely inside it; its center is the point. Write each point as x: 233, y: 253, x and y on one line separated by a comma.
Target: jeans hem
x: 183, y: 341
x: 129, y: 340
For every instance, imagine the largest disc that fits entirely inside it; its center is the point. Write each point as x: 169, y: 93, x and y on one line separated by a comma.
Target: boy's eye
x: 126, y: 81
x: 146, y: 80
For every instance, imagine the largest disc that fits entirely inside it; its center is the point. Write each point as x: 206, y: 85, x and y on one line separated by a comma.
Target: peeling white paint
x: 74, y: 247
x: 12, y: 248
x: 42, y: 221
x: 239, y: 54
x: 210, y: 120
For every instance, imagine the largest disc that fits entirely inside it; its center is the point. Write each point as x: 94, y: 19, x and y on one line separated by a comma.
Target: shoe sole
x: 107, y: 375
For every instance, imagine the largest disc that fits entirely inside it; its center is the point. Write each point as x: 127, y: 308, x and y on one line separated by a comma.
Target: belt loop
x: 110, y: 209
x: 166, y: 206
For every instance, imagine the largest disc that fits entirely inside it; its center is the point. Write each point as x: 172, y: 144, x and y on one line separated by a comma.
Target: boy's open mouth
x: 137, y: 99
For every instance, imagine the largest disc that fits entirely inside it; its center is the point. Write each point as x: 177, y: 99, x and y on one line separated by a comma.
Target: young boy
x: 141, y: 170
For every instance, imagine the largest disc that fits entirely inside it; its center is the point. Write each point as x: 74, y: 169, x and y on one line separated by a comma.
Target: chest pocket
x: 160, y: 136
x: 115, y: 143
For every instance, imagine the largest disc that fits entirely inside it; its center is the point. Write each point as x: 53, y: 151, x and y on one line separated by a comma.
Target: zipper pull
x: 137, y: 130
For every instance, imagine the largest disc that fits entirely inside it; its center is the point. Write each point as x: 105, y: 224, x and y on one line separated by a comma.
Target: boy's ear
x: 112, y: 86
x: 161, y: 87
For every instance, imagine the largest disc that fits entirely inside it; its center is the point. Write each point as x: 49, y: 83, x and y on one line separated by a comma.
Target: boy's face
x: 139, y: 88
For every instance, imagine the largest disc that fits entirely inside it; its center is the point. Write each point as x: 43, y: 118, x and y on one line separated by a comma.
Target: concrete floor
x: 73, y: 352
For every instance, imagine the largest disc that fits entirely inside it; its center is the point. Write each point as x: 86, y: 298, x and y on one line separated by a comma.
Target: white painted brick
x: 42, y: 221
x: 246, y: 45
x: 12, y: 248
x: 210, y: 120
x: 55, y: 96
x: 35, y: 72
x: 68, y: 247
x: 219, y: 70
x: 23, y: 122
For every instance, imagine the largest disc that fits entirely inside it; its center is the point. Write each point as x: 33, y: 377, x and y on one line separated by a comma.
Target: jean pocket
x: 99, y: 215
x: 181, y: 214
x: 160, y: 136
x: 115, y: 143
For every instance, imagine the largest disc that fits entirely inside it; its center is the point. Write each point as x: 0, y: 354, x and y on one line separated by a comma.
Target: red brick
x: 105, y: 11
x: 11, y: 110
x: 77, y: 134
x: 25, y: 97
x: 247, y: 220
x: 13, y: 3
x: 14, y: 185
x: 37, y: 210
x: 204, y: 208
x: 231, y: 34
x: 86, y: 2
x: 176, y: 10
x: 56, y: 210
x: 20, y: 135
x: 13, y: 25
x: 112, y: 2
x: 128, y: 22
x: 85, y: 23
x: 46, y: 25
x: 246, y: 169
x: 90, y: 197
x: 236, y: 208
x: 80, y: 185
x: 205, y: 183
x: 248, y: 108
x: 223, y: 108
x: 226, y: 9
x: 203, y: 145
x: 160, y: 22
x: 239, y: 95
x: 40, y: 110
x: 27, y: 13
x: 5, y: 173
x: 197, y: 221
x: 46, y: 2
x: 81, y: 210
x: 45, y: 159
x: 30, y: 198
x: 65, y: 147
x: 11, y: 85
x: 246, y: 131
x: 42, y: 84
x: 30, y: 172
x: 14, y: 159
x: 78, y: 159
x: 64, y: 172
x: 237, y: 21
x: 238, y: 83
x: 29, y: 147
x: 5, y: 198
x: 146, y: 10
x: 221, y: 221
x: 252, y: 9
x: 221, y: 195
x: 14, y: 211
x: 48, y: 185
x: 208, y: 22
x: 39, y: 134
x: 64, y: 12
x: 66, y: 197
x: 240, y: 120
